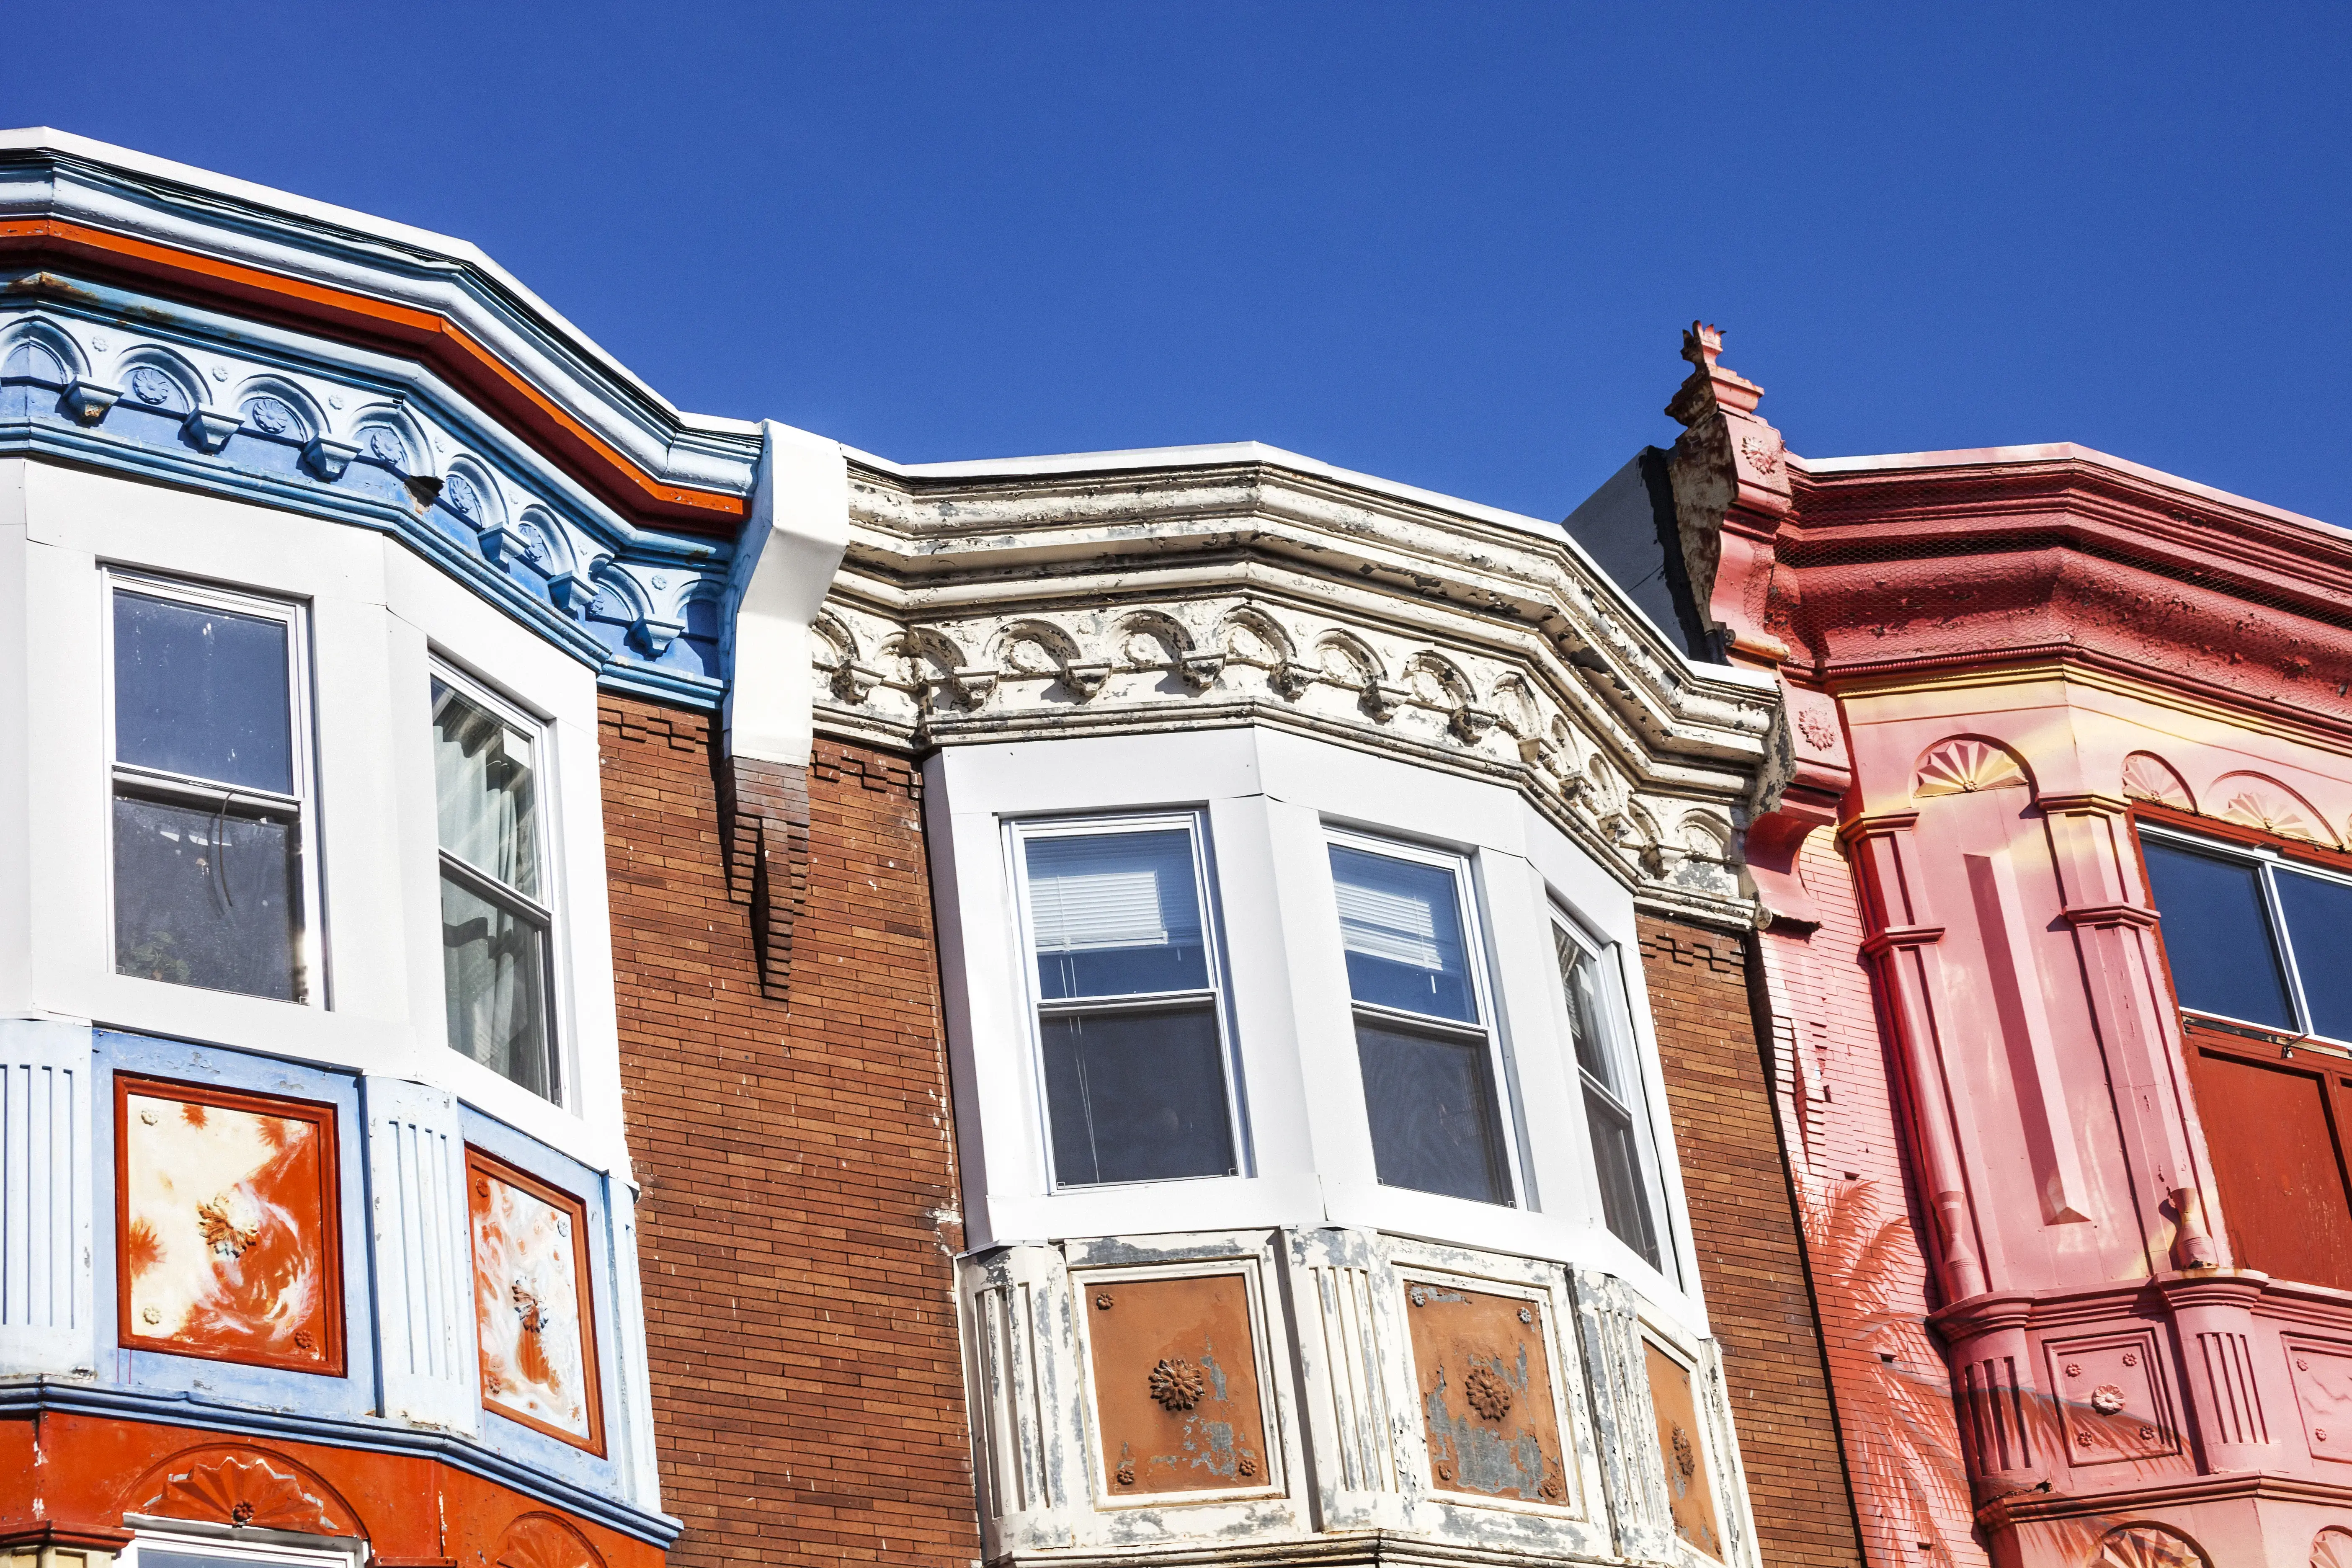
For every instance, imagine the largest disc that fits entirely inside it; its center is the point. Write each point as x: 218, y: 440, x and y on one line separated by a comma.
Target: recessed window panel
x: 203, y: 692
x: 1431, y: 1103
x: 494, y: 967
x: 1137, y: 1096
x: 2216, y: 934
x: 2319, y: 928
x: 1116, y: 914
x: 205, y: 897
x: 1402, y: 925
x: 486, y: 784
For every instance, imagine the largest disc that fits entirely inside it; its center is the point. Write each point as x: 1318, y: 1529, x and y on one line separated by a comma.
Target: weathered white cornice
x: 1245, y: 587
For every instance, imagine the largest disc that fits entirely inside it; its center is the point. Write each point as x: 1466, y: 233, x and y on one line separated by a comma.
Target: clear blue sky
x: 1448, y: 243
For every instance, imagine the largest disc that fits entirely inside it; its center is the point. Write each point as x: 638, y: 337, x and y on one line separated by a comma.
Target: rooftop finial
x: 1710, y: 385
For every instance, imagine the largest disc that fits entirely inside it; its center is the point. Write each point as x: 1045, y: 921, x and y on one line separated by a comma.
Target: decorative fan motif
x: 244, y: 1491
x: 1964, y: 766
x: 1177, y: 1384
x: 2149, y: 777
x: 2267, y: 804
x: 2145, y: 1546
x: 1488, y: 1395
x: 542, y: 1540
x: 2332, y: 1548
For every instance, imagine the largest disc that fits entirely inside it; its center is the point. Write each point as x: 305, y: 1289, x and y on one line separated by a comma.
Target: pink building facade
x: 2056, y: 911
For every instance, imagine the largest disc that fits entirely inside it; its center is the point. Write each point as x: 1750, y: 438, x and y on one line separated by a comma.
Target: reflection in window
x: 1421, y: 1036
x: 2252, y: 938
x: 495, y: 921
x: 1624, y: 1161
x: 1130, y: 1017
x: 209, y: 793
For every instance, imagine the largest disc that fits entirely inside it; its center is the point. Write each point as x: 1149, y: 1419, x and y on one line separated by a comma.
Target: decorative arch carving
x: 50, y: 356
x: 160, y: 381
x: 1032, y: 647
x: 472, y: 496
x: 1132, y: 637
x: 2332, y: 1548
x: 2148, y: 1546
x: 1249, y: 636
x: 387, y: 436
x: 2149, y: 777
x: 278, y: 408
x: 543, y: 1541
x: 1348, y: 661
x: 2257, y: 801
x: 1966, y: 765
x: 244, y: 1487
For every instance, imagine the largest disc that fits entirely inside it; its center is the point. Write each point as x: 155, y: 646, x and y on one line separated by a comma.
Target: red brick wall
x: 796, y: 1156
x: 1750, y: 1255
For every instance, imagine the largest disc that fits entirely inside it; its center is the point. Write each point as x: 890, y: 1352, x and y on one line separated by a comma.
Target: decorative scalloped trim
x: 2256, y: 800
x: 1964, y: 765
x: 2149, y: 777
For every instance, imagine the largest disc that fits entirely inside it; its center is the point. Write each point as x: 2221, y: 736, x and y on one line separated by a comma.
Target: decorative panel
x: 1177, y: 1395
x: 45, y: 1198
x: 2112, y: 1404
x: 2322, y: 1370
x: 1683, y: 1451
x: 227, y: 1242
x: 1487, y: 1404
x: 416, y: 1179
x: 533, y: 1307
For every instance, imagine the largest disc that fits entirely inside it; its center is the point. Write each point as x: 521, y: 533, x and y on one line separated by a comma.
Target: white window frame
x: 2269, y: 862
x: 1625, y: 1045
x: 239, y: 1545
x: 547, y: 907
x: 1018, y: 834
x: 1478, y: 961
x: 310, y: 946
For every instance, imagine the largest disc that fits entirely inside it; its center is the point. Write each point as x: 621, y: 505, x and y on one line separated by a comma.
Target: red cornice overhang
x: 440, y: 343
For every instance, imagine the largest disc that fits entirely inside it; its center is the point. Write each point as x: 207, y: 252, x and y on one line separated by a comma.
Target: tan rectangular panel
x: 1684, y: 1455
x: 1485, y: 1394
x: 1176, y: 1384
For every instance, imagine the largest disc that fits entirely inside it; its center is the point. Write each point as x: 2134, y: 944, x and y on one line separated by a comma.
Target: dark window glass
x: 2319, y: 925
x: 207, y: 897
x: 203, y: 692
x: 1402, y: 930
x: 2217, y: 935
x: 1137, y: 1097
x: 494, y: 968
x: 1617, y: 1161
x: 1116, y: 914
x: 1431, y: 1101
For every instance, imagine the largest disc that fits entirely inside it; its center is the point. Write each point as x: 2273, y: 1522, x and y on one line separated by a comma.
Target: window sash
x: 242, y: 803
x: 2270, y: 864
x: 1049, y: 1012
x: 1502, y: 1109
x: 538, y: 913
x: 1627, y: 1099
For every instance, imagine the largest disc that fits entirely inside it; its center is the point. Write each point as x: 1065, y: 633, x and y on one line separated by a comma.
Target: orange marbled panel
x: 532, y: 1304
x: 226, y: 1226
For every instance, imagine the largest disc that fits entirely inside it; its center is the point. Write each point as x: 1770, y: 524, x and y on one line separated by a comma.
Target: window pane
x: 494, y: 970
x: 1402, y: 929
x: 1431, y: 1107
x: 2319, y: 927
x: 204, y: 897
x: 1584, y: 1014
x: 1117, y: 914
x: 1617, y: 1161
x: 1137, y: 1097
x: 2217, y: 935
x: 482, y: 772
x: 202, y: 693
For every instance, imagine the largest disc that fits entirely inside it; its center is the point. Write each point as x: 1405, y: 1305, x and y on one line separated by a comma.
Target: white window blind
x: 1390, y: 910
x: 1092, y: 891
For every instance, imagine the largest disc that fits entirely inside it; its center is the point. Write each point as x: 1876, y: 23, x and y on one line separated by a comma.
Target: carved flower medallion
x: 1488, y: 1395
x: 1177, y: 1384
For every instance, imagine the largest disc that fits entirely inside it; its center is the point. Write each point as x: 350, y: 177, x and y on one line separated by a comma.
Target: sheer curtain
x: 494, y: 947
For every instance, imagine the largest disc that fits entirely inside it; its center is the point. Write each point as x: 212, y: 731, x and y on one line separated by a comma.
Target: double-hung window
x: 496, y: 924
x: 1624, y: 1147
x: 1423, y: 1034
x: 1129, y: 999
x: 214, y: 875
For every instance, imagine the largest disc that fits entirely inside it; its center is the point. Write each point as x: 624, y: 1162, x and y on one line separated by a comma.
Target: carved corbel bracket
x: 328, y: 458
x: 1382, y: 700
x: 1083, y: 679
x: 972, y: 684
x: 1470, y: 725
x: 88, y: 401
x: 1291, y: 678
x: 1199, y: 671
x: 572, y: 592
x: 210, y: 428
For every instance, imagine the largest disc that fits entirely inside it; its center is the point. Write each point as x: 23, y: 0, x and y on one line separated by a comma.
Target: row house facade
x: 582, y: 985
x: 2052, y: 912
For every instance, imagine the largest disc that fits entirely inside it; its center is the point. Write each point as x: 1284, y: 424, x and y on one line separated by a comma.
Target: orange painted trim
x: 442, y: 343
x: 481, y: 1165
x: 318, y: 1114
